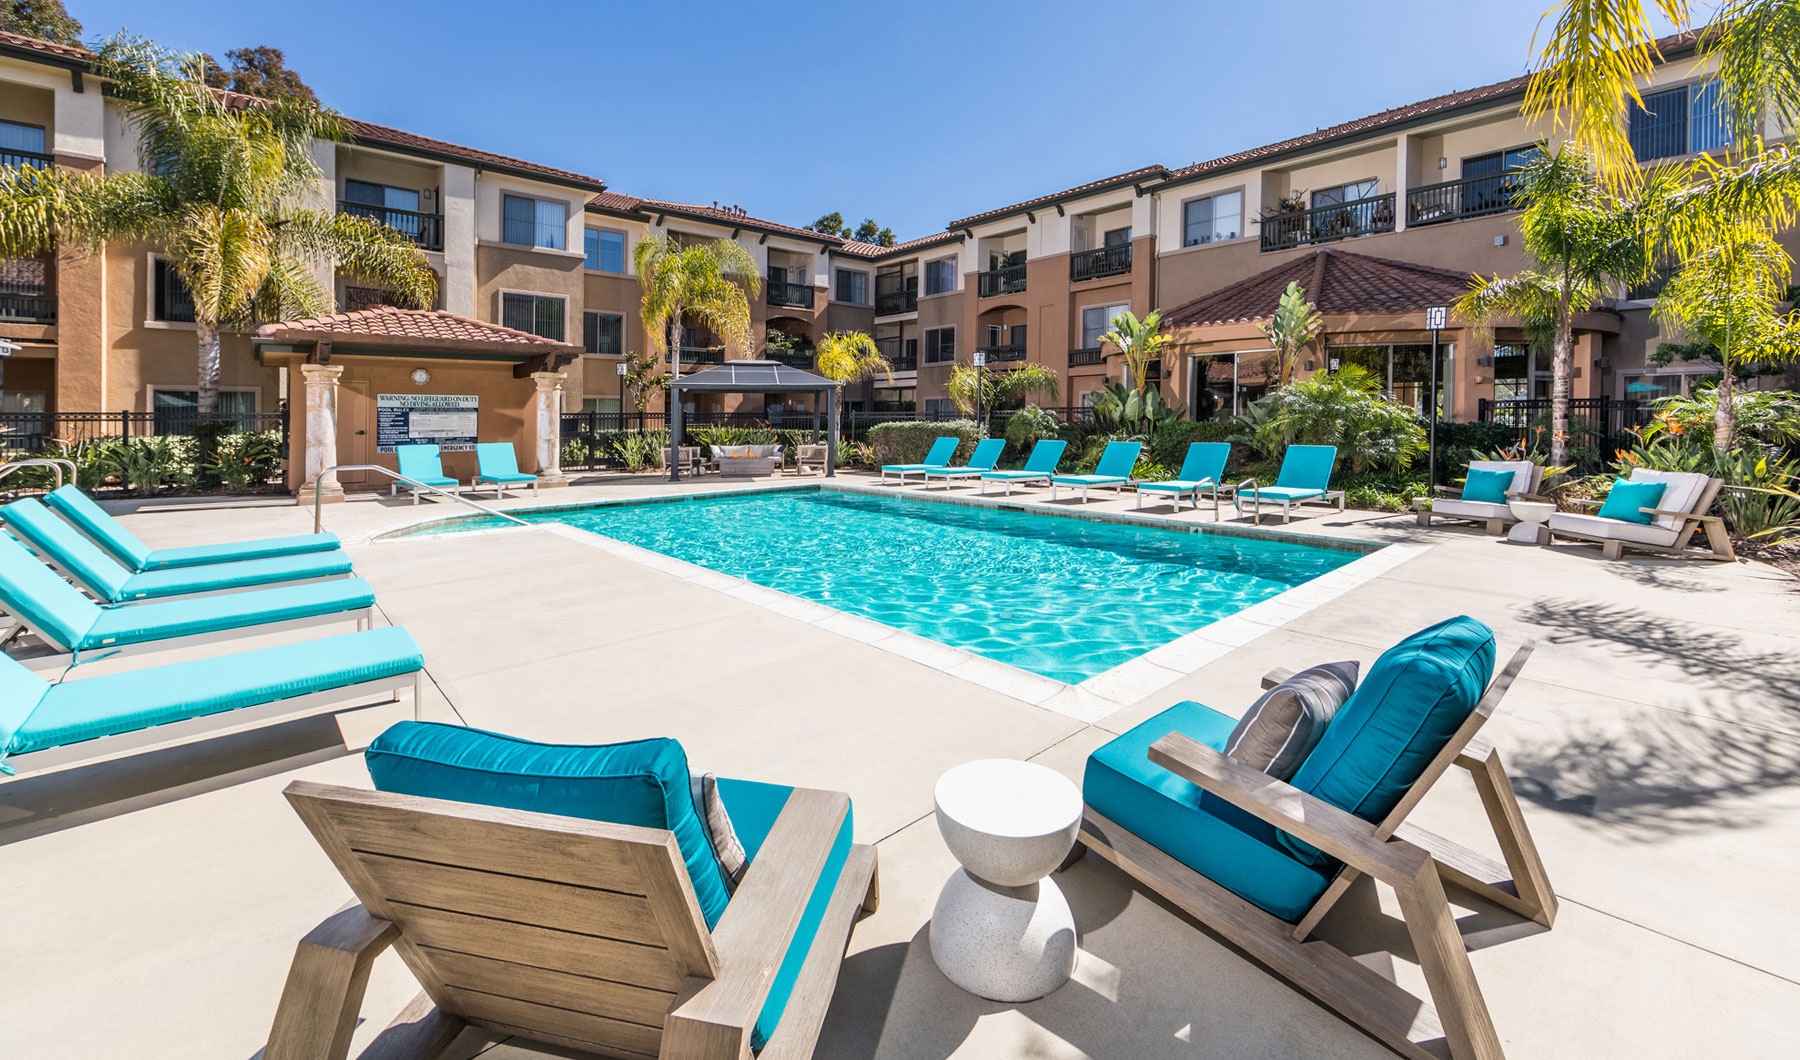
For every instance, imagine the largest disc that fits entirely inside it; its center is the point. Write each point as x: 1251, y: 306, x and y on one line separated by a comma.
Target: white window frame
x: 868, y: 297
x: 1081, y: 313
x: 1181, y: 218
x: 150, y: 321
x: 500, y: 308
x: 624, y: 249
x: 567, y: 212
x: 925, y: 277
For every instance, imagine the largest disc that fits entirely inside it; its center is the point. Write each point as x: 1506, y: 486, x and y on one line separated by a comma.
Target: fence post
x: 125, y: 423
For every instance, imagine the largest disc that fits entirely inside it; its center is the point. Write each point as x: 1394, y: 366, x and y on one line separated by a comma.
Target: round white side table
x: 1002, y: 929
x: 1530, y: 516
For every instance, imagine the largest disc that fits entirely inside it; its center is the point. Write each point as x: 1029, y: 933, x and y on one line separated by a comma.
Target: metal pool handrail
x: 55, y: 463
x: 319, y: 514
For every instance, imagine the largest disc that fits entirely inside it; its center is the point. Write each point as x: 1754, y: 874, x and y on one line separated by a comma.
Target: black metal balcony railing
x: 1093, y: 264
x: 796, y: 358
x: 1459, y: 199
x: 425, y: 229
x: 796, y: 295
x: 1322, y: 224
x: 1002, y: 354
x: 898, y: 355
x: 702, y: 355
x: 1007, y: 280
x: 26, y: 296
x: 890, y: 302
x: 13, y: 156
x: 1086, y: 356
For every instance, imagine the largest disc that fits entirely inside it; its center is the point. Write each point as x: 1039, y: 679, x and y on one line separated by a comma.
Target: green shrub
x: 250, y: 458
x: 642, y: 450
x: 148, y: 464
x: 1027, y: 426
x: 907, y: 442
x: 1760, y: 499
x: 1344, y: 408
x: 1459, y: 443
x: 1382, y: 492
x: 1169, y: 440
x: 1764, y: 417
x: 722, y: 434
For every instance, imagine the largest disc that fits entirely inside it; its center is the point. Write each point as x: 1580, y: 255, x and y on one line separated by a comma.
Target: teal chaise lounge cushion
x: 92, y: 520
x: 1401, y: 715
x: 643, y: 782
x: 36, y: 715
x: 1229, y: 847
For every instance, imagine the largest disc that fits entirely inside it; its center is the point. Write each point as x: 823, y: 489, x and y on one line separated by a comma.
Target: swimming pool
x: 1061, y: 597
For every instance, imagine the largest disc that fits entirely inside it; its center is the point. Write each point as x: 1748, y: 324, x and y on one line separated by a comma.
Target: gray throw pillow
x: 1281, y: 729
x: 726, y: 847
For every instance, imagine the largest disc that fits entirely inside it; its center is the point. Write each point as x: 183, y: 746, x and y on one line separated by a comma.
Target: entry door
x: 356, y: 432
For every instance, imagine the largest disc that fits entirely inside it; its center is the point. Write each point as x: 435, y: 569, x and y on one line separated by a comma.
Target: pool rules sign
x: 444, y: 420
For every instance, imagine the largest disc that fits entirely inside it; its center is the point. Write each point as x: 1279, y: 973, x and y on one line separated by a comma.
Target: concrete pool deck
x: 1655, y: 739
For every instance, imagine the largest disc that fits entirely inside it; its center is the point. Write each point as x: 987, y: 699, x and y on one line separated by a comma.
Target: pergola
x: 754, y: 377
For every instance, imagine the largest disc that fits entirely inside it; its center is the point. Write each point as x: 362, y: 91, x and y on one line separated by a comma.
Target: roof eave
x: 416, y: 151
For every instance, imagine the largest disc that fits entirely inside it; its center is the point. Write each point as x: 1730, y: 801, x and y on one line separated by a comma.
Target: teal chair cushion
x: 1405, y: 710
x: 499, y: 462
x: 41, y: 599
x: 1045, y: 455
x: 75, y: 506
x: 163, y: 619
x: 753, y: 808
x: 1626, y: 499
x: 36, y: 525
x: 643, y: 783
x: 92, y: 520
x: 1486, y: 485
x: 90, y: 708
x: 1307, y: 467
x: 20, y: 693
x: 1226, y: 845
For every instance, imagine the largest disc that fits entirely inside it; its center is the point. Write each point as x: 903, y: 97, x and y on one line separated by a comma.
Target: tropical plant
x: 642, y: 450
x: 723, y: 434
x: 222, y: 194
x: 970, y: 387
x: 1119, y: 407
x: 846, y: 357
x: 1768, y: 418
x: 1139, y: 342
x: 1025, y: 427
x: 249, y: 458
x: 147, y: 464
x: 710, y: 283
x: 1760, y: 501
x: 1345, y: 408
x: 1578, y: 238
x: 643, y: 375
x: 1295, y: 326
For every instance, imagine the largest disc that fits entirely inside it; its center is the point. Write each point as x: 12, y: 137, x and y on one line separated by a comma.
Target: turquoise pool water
x: 1065, y: 598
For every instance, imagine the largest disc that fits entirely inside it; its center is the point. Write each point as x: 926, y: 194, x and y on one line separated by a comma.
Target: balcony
x: 1094, y: 264
x: 1084, y: 357
x: 793, y: 295
x: 888, y: 303
x: 1324, y: 224
x: 1007, y: 280
x: 425, y: 229
x: 900, y: 355
x: 702, y: 355
x: 797, y: 358
x: 26, y: 296
x: 1003, y: 354
x: 1461, y: 199
x: 13, y: 156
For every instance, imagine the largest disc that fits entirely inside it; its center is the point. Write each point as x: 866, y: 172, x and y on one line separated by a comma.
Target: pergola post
x: 675, y: 431
x: 831, y: 437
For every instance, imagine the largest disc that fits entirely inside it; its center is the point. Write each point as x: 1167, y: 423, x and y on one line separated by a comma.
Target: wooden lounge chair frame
x: 576, y: 933
x: 1495, y: 526
x: 1415, y: 863
x: 1718, y: 542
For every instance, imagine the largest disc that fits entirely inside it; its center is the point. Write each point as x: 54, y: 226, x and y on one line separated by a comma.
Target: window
x: 940, y: 276
x: 605, y: 250
x: 1343, y: 193
x: 1117, y: 237
x: 15, y: 137
x: 937, y: 408
x: 169, y: 296
x: 1679, y: 121
x: 175, y: 409
x: 606, y: 406
x: 1212, y: 219
x: 534, y: 222
x: 536, y: 313
x: 603, y: 333
x: 1097, y: 321
x: 1495, y: 163
x: 852, y: 286
x: 1404, y: 370
x: 363, y: 193
x: 940, y: 345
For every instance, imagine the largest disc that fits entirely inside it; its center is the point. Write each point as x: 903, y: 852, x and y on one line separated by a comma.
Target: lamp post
x: 1435, y: 319
x: 980, y: 361
x: 621, y: 369
x: 7, y: 349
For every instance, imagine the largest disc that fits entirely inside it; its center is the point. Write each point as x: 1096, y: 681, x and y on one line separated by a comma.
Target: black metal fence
x: 22, y: 432
x: 1103, y: 261
x: 1597, y: 426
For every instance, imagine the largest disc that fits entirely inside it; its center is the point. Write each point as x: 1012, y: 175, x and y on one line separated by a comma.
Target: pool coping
x: 1088, y: 700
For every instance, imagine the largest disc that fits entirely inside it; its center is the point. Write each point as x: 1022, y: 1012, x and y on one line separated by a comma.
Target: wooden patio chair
x: 575, y: 933
x: 1454, y: 1022
x: 1684, y: 509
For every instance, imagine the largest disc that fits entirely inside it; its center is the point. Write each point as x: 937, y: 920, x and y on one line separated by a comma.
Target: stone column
x: 549, y: 428
x: 321, y: 433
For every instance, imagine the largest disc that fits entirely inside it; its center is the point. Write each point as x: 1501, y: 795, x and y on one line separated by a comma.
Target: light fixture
x: 1309, y: 366
x: 1484, y: 361
x: 420, y: 377
x: 1499, y: 241
x: 1443, y: 163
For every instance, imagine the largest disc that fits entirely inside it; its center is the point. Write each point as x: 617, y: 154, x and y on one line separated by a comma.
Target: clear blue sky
x: 914, y: 112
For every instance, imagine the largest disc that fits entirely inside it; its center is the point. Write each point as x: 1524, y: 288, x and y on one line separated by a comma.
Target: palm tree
x: 222, y: 196
x: 1296, y: 326
x: 1578, y: 239
x: 1139, y: 342
x: 970, y: 387
x: 848, y: 356
x: 712, y: 283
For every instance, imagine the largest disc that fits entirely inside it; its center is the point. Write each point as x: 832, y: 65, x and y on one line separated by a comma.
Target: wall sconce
x: 1479, y: 378
x: 1484, y: 361
x: 1602, y: 363
x: 1443, y: 163
x: 1309, y: 365
x: 1499, y: 241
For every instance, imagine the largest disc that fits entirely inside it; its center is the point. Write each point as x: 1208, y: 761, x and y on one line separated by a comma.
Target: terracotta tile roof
x: 370, y: 133
x: 728, y: 216
x: 417, y: 328
x: 43, y: 47
x: 1336, y: 281
x: 1143, y: 173
x: 874, y: 250
x: 613, y: 202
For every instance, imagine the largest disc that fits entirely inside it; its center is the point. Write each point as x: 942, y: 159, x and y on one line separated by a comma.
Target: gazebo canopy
x: 752, y: 377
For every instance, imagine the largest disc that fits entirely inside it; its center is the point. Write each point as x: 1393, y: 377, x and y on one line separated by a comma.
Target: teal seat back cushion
x: 1045, y: 455
x: 419, y: 461
x: 20, y: 693
x: 497, y: 458
x: 753, y: 808
x: 941, y: 452
x: 1307, y: 467
x: 1118, y: 459
x: 987, y: 454
x: 36, y: 594
x: 643, y: 783
x: 75, y: 506
x: 1401, y: 715
x: 1205, y: 461
x: 1626, y: 498
x: 42, y: 530
x: 1486, y: 485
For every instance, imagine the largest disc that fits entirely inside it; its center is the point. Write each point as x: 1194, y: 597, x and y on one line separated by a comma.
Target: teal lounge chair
x: 421, y: 463
x: 1202, y: 469
x: 1305, y: 476
x: 497, y: 465
x: 986, y: 455
x: 1039, y: 466
x: 939, y: 456
x: 62, y: 617
x: 88, y: 564
x: 110, y: 534
x: 1114, y: 469
x: 46, y: 727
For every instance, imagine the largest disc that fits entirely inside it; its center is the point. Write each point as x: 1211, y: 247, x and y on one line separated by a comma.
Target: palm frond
x: 363, y: 247
x: 847, y: 356
x: 41, y: 209
x: 1758, y: 51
